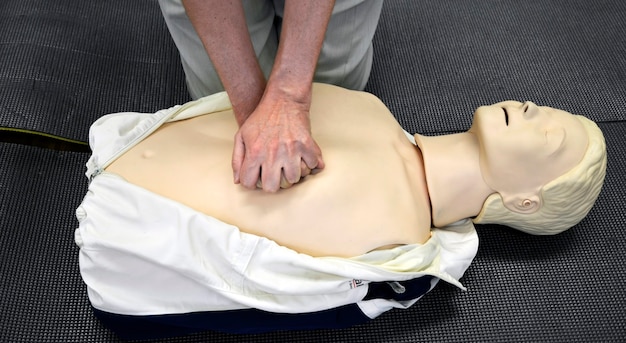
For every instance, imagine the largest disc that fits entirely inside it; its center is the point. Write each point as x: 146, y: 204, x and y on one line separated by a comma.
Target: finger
x: 320, y: 164
x: 249, y: 177
x: 304, y: 169
x: 249, y: 173
x: 313, y: 159
x: 284, y: 183
x: 270, y: 178
x: 239, y: 153
x: 292, y: 171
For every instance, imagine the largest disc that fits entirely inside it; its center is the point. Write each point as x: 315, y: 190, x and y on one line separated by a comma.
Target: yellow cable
x: 43, y: 134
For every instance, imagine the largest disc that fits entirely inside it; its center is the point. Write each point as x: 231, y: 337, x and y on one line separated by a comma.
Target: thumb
x: 239, y: 152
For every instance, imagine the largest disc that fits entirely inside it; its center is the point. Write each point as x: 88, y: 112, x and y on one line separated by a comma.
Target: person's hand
x: 274, y: 148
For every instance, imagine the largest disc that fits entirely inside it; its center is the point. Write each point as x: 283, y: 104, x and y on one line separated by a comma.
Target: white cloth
x: 144, y: 254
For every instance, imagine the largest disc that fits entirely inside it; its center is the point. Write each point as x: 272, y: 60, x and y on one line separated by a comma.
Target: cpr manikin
x: 379, y: 194
x: 375, y: 192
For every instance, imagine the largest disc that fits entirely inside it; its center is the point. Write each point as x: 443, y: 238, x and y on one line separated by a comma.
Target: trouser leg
x: 345, y: 58
x: 201, y: 77
x: 347, y: 53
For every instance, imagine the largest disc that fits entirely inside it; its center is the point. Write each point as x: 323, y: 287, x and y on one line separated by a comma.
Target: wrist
x: 289, y: 88
x: 245, y: 97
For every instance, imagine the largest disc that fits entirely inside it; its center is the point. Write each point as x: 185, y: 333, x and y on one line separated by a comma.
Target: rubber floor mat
x: 65, y: 63
x: 437, y: 61
x: 565, y: 288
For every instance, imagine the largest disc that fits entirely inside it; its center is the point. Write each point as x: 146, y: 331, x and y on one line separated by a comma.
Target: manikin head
x: 546, y: 166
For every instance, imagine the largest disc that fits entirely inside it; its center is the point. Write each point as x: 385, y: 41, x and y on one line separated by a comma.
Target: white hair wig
x: 566, y: 199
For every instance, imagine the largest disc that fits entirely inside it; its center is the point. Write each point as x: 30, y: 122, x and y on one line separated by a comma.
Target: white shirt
x: 144, y: 254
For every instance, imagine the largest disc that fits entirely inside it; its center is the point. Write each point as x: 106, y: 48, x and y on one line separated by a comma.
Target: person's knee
x: 201, y: 77
x: 347, y: 72
x: 347, y: 54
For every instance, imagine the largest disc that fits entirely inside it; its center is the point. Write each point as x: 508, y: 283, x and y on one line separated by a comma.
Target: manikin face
x: 524, y: 146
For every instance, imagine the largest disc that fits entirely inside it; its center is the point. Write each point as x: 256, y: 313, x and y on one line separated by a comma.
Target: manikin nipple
x: 148, y: 154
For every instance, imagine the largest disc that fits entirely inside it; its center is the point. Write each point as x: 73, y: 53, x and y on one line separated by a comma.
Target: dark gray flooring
x: 64, y: 63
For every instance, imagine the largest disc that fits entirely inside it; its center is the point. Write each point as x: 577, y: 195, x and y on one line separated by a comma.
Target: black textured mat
x: 436, y: 61
x: 64, y: 63
x: 42, y: 298
x: 564, y: 288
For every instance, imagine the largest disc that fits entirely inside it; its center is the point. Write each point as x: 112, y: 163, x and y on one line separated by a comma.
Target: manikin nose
x: 529, y: 110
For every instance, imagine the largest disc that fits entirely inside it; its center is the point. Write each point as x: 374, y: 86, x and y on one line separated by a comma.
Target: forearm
x: 301, y: 39
x: 221, y: 26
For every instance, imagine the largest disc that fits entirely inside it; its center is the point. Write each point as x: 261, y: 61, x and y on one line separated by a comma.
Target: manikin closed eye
x: 506, y: 116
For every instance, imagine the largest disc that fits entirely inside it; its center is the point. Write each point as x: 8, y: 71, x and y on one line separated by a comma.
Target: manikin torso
x: 371, y: 195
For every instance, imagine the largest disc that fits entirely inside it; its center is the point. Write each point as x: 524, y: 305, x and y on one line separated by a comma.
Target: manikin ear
x: 524, y: 203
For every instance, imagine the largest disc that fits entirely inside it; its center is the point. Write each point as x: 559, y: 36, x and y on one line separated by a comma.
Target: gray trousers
x: 345, y: 58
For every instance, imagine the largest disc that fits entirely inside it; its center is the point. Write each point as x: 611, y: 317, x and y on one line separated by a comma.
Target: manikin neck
x: 455, y: 184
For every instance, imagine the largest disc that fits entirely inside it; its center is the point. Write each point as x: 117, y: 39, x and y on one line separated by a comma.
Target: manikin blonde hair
x: 566, y: 199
